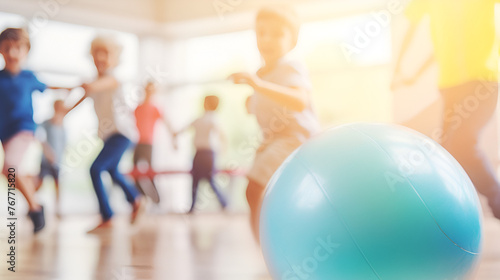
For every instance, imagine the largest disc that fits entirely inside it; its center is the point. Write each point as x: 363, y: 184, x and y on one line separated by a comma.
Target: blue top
x: 55, y: 136
x: 16, y: 105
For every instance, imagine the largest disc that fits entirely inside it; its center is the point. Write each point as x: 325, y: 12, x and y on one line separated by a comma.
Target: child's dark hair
x: 211, y: 102
x: 16, y: 34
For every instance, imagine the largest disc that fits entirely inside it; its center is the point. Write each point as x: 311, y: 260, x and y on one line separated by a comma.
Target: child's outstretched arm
x: 61, y: 88
x: 167, y: 125
x: 171, y: 131
x: 180, y: 131
x: 106, y: 83
x: 292, y: 97
x: 223, y: 139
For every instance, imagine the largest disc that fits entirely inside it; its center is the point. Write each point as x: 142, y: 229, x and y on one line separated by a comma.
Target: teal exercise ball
x: 371, y: 202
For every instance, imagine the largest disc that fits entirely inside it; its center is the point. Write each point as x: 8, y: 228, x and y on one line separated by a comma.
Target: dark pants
x: 108, y: 160
x: 143, y: 152
x: 145, y: 184
x: 468, y: 109
x: 48, y: 169
x: 203, y: 168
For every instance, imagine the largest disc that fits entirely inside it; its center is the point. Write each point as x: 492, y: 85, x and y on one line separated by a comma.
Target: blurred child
x: 147, y: 115
x: 207, y: 133
x: 116, y: 128
x: 465, y: 48
x: 53, y: 139
x: 16, y: 115
x: 281, y: 103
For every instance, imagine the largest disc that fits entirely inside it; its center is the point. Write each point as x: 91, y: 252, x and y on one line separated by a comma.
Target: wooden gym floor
x: 177, y: 247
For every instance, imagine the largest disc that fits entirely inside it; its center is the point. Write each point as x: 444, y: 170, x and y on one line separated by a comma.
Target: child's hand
x: 85, y: 87
x: 175, y: 142
x: 246, y: 78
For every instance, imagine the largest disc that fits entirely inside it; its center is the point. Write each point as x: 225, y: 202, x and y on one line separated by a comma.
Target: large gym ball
x: 371, y: 201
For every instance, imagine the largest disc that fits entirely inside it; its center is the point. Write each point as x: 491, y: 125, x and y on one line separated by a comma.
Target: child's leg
x: 255, y: 194
x: 137, y: 158
x: 55, y: 175
x: 143, y: 154
x: 217, y: 192
x: 41, y: 176
x: 196, y: 181
x: 45, y: 169
x: 14, y: 150
x: 131, y: 193
x: 196, y: 174
x: 462, y: 139
x: 107, y: 160
x: 266, y: 162
x: 38, y: 182
x: 210, y: 165
x: 120, y: 144
x: 148, y: 155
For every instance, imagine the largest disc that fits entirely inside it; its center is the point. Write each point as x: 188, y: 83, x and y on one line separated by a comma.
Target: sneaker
x: 38, y: 219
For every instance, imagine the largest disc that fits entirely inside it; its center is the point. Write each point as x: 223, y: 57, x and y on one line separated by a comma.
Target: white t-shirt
x: 274, y: 118
x: 114, y: 115
x: 206, y: 132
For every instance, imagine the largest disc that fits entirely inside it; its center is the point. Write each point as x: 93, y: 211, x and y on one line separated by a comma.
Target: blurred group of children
x: 281, y: 86
x: 281, y: 104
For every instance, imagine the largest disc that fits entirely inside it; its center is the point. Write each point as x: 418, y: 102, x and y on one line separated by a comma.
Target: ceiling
x: 173, y: 18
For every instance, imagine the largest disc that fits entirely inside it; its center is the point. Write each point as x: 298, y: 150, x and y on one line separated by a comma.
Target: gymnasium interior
x: 190, y: 48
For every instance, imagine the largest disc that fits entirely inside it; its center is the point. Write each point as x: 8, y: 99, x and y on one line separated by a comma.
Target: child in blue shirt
x: 16, y: 115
